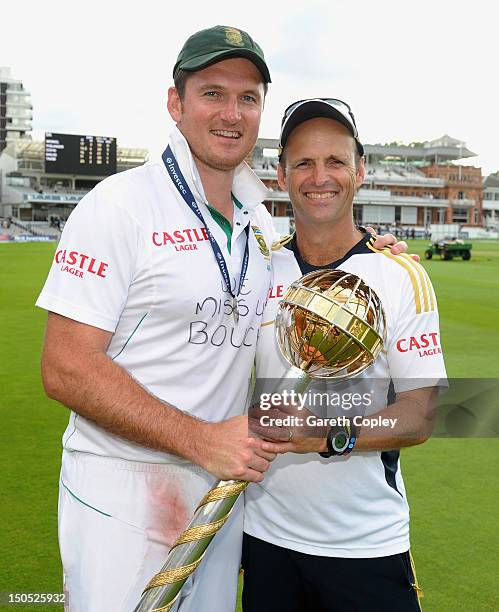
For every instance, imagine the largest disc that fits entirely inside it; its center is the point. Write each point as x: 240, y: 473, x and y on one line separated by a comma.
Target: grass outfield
x: 452, y: 484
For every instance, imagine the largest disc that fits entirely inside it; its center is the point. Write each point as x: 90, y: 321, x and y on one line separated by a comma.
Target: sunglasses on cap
x: 331, y: 108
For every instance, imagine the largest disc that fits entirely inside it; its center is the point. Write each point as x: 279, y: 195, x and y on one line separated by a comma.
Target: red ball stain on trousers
x: 169, y: 510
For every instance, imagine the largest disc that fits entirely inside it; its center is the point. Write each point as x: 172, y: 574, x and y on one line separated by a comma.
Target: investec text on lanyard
x: 180, y: 183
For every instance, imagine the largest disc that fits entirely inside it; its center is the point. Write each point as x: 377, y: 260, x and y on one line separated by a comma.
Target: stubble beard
x: 208, y: 159
x: 214, y: 161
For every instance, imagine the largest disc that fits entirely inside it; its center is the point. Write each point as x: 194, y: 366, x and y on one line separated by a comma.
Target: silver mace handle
x: 162, y: 592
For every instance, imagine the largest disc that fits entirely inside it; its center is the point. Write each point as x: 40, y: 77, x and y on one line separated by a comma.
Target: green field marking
x: 451, y: 484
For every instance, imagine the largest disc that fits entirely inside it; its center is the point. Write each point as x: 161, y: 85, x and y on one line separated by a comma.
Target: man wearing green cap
x: 155, y: 300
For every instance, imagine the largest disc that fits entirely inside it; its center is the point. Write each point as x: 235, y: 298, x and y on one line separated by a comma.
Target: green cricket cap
x: 216, y: 44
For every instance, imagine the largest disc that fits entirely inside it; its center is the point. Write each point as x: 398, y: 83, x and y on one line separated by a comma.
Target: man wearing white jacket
x: 328, y: 528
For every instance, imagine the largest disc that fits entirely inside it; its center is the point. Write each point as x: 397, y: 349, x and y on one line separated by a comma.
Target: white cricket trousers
x: 117, y: 521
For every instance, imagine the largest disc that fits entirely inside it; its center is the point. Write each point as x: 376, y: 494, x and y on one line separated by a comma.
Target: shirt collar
x: 246, y: 187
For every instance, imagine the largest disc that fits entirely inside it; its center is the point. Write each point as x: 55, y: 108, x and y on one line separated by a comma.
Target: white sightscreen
x: 409, y: 214
x: 378, y: 214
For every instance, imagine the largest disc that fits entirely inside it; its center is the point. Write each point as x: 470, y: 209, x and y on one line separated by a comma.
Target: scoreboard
x: 74, y: 154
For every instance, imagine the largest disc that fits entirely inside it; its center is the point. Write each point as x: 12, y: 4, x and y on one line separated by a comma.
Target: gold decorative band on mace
x: 163, y: 590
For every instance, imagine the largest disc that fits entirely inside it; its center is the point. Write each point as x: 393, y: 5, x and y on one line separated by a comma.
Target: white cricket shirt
x: 134, y: 260
x: 356, y: 505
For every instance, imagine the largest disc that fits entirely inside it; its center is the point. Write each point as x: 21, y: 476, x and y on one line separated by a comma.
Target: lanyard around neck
x: 180, y: 183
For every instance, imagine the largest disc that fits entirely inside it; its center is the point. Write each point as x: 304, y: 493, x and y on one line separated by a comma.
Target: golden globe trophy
x: 330, y: 324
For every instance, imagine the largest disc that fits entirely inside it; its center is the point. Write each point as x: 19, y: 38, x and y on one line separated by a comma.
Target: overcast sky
x: 410, y: 70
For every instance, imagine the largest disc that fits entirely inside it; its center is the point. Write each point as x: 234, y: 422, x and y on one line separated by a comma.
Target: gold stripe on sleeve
x: 408, y: 268
x: 424, y: 280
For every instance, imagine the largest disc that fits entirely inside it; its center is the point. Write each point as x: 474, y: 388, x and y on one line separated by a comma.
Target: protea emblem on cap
x: 234, y: 37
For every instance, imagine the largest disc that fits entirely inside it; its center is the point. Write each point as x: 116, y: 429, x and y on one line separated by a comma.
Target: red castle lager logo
x: 76, y: 263
x: 182, y: 239
x: 426, y: 344
x: 276, y: 292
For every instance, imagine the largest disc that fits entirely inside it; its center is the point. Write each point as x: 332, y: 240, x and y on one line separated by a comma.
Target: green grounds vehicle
x: 448, y: 249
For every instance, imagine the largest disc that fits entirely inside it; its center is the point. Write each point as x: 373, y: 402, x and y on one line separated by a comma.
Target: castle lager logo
x: 77, y: 263
x: 234, y: 37
x: 183, y: 239
x: 426, y: 344
x: 276, y: 292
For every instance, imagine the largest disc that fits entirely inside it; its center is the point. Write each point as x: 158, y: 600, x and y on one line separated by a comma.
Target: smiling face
x: 320, y: 172
x: 219, y: 113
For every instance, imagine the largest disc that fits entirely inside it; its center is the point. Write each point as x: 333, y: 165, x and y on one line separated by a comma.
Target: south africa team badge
x: 262, y: 245
x: 233, y: 37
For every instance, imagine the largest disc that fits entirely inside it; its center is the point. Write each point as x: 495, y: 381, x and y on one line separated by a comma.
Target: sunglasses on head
x: 343, y: 107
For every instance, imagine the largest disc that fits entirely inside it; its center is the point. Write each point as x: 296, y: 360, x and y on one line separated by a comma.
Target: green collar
x: 223, y: 222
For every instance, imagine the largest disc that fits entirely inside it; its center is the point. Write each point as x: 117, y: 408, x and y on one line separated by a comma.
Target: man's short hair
x: 180, y: 81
